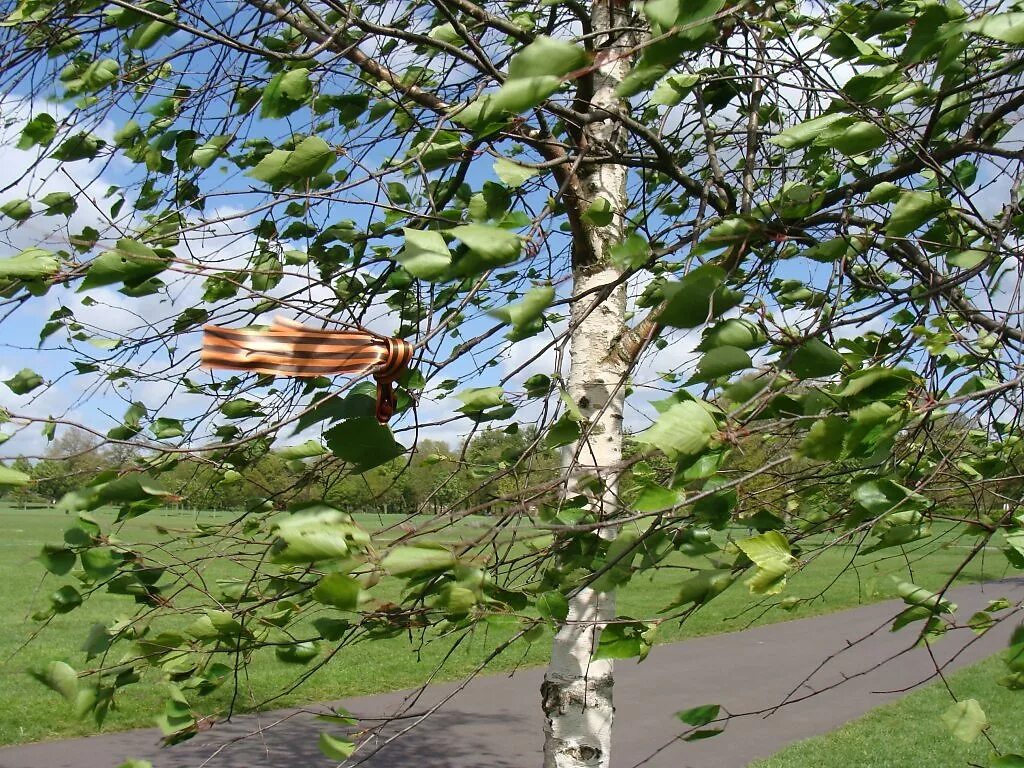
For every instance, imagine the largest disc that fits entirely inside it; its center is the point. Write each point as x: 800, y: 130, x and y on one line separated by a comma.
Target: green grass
x: 30, y: 712
x: 909, y: 732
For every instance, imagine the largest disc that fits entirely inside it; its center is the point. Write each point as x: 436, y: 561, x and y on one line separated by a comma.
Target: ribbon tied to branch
x: 289, y: 348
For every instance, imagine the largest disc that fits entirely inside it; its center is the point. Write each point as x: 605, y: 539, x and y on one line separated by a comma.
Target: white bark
x: 577, y: 691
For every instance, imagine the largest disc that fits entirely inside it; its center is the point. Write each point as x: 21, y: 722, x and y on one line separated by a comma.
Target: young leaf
x: 19, y: 210
x: 684, y: 429
x: 770, y: 552
x: 131, y: 263
x: 814, y: 359
x: 363, y: 442
x: 425, y: 254
x: 489, y: 247
x: 966, y: 720
x: 698, y: 296
x: 24, y: 381
x: 12, y: 478
x: 721, y: 361
x: 336, y: 749
x: 913, y: 209
x: 410, y: 560
x: 30, y: 264
x: 513, y: 174
x: 531, y: 308
x: 534, y: 73
x: 338, y: 590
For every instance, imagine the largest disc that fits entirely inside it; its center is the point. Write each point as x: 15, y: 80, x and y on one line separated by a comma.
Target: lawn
x: 910, y: 732
x: 30, y: 712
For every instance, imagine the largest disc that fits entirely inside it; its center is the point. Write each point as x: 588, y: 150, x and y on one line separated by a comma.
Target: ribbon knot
x: 289, y: 348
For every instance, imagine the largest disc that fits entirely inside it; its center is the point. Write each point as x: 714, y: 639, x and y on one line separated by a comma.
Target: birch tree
x: 671, y: 235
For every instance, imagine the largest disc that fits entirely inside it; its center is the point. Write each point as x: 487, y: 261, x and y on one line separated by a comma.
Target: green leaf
x: 883, y: 192
x: 855, y: 139
x: 65, y: 599
x: 703, y: 586
x: 147, y: 34
x: 299, y: 653
x: 966, y: 720
x: 129, y: 488
x: 306, y: 450
x: 600, y: 213
x: 57, y: 559
x: 339, y: 590
x: 534, y: 73
x: 59, y: 204
x: 631, y: 253
x: 967, y: 259
x: 30, y: 264
x: 824, y: 441
x: 1008, y: 761
x: 721, y: 361
x: 881, y: 496
x: 481, y: 398
x: 1008, y: 27
x: 770, y: 552
x: 813, y: 359
x: 240, y: 408
x: 59, y: 677
x: 317, y: 533
x: 19, y: 210
x: 446, y: 33
x: 913, y: 209
x: 24, y: 381
x: 522, y: 315
x: 624, y: 639
x: 99, y: 562
x: 683, y: 429
x: 563, y: 432
x: 285, y: 93
x: 295, y: 84
x: 489, y: 247
x: 680, y: 13
x: 266, y: 271
x: 698, y: 296
x: 208, y: 153
x: 363, y: 442
x: 80, y: 146
x: 130, y: 262
x: 335, y: 748
x: 734, y: 332
x: 311, y: 157
x: 40, y: 130
x: 674, y: 88
x: 513, y: 174
x: 920, y: 597
x: 164, y: 428
x: 804, y: 133
x: 414, y: 559
x: 652, y: 498
x: 12, y: 478
x: 425, y: 254
x: 553, y: 605
x: 699, y: 716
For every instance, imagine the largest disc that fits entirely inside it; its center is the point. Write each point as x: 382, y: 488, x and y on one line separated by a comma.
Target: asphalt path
x: 781, y: 682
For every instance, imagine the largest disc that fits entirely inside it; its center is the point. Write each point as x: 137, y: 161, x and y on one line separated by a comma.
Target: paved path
x: 494, y: 722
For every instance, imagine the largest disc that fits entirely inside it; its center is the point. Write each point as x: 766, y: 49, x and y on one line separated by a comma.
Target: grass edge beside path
x: 881, y: 738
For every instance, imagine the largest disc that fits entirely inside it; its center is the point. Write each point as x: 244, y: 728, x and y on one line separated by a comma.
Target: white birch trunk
x: 577, y: 691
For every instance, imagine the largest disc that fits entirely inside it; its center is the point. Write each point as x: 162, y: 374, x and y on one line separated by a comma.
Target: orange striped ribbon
x: 289, y: 348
